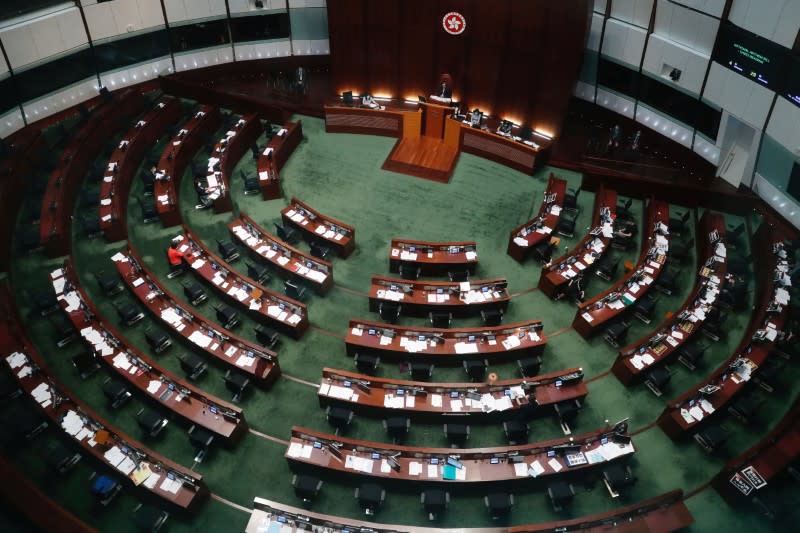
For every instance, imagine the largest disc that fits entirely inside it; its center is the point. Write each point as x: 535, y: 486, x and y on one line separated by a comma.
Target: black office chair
x: 623, y: 211
x: 192, y: 364
x: 740, y: 266
x: 567, y: 412
x: 529, y: 366
x: 543, y: 251
x: 28, y: 242
x: 151, y: 421
x: 44, y: 300
x: 458, y: 275
x: 616, y: 477
x: 157, y: 340
x: 492, y: 316
x: 420, y: 371
x: 389, y: 311
x: 227, y: 250
x: 252, y: 184
x: 566, y: 226
x: 434, y: 501
x: 90, y: 198
x: 339, y: 418
x: 202, y: 439
x: 86, y: 364
x: 367, y: 363
x: 560, y: 494
x: 319, y: 249
x: 90, y: 224
x: 109, y: 283
x: 194, y: 292
x: 440, y: 319
x: 148, y: 182
x: 678, y: 224
x: 128, y: 313
x: 711, y: 438
x: 227, y: 316
x: 769, y: 375
x: 606, y: 267
x: 347, y: 98
x: 745, y: 406
x: 734, y: 237
x: 259, y: 273
x: 294, y: 290
x: 63, y: 329
x: 667, y: 281
x: 306, y: 487
x: 475, y: 368
x: 286, y: 233
x: 571, y: 199
x: 644, y: 308
x: 397, y: 427
x: 499, y: 504
x: 690, y: 354
x: 456, y: 434
x: 104, y: 489
x: 410, y: 271
x: 60, y: 458
x: 616, y: 333
x: 680, y: 251
x: 116, y: 392
x: 657, y: 378
x: 149, y: 210
x: 149, y: 518
x: 516, y: 432
x: 237, y: 383
x: 370, y: 497
x: 268, y: 337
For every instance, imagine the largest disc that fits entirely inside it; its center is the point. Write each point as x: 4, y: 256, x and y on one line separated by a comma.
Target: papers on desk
x: 519, y: 241
x: 105, y: 201
x: 268, y: 151
x: 433, y: 471
x: 395, y: 296
x: 587, y: 317
x: 555, y: 210
x: 555, y: 465
x: 170, y: 485
x: 512, y: 341
x: 153, y: 386
x: 42, y: 394
x: 414, y: 468
x: 121, y: 361
x: 612, y: 450
x: 436, y: 400
x: 16, y: 359
x: 617, y: 304
x: 393, y: 402
x: 281, y: 132
x: 471, y: 256
x: 339, y: 392
x: 200, y: 339
x: 545, y: 230
x: 466, y: 347
x: 263, y: 175
x: 536, y: 469
x: 300, y: 450
x: 520, y: 469
x: 696, y: 412
x: 359, y: 464
x: 408, y: 256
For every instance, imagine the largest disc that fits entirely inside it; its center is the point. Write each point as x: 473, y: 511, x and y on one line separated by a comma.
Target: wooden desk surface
x: 454, y: 345
x: 462, y: 299
x: 287, y: 260
x: 141, y: 372
x: 315, y: 226
x: 227, y: 152
x: 274, y: 156
x: 223, y: 346
x: 434, y: 258
x: 177, y: 154
x: 595, y: 314
x: 632, y: 363
x: 125, y: 161
x: 586, y: 253
x: 450, y: 401
x: 265, y: 305
x: 312, y: 450
x: 687, y: 412
x: 526, y: 236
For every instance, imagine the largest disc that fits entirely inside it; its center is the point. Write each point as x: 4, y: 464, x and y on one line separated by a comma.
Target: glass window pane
x: 8, y: 95
x: 132, y: 50
x: 10, y: 9
x: 200, y: 35
x: 55, y: 75
x: 260, y: 27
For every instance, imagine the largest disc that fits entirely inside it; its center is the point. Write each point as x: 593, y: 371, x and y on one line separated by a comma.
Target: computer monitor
x: 505, y: 127
x: 525, y: 133
x: 422, y: 98
x: 347, y: 97
x: 475, y: 118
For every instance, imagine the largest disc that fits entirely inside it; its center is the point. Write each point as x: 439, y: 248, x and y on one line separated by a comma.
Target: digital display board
x: 791, y: 87
x: 754, y: 57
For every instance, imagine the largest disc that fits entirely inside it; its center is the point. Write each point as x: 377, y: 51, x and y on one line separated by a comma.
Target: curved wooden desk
x: 198, y: 332
x: 81, y: 425
x: 408, y: 467
x: 433, y: 258
x: 226, y: 154
x: 525, y: 237
x: 418, y: 298
x: 595, y: 314
x: 176, y: 156
x: 315, y: 226
x: 264, y: 305
x: 584, y: 255
x: 446, y: 346
x: 271, y: 160
x: 657, y: 347
x: 689, y: 411
x: 470, y: 402
x: 286, y: 260
x: 125, y: 161
x: 173, y: 393
x: 58, y: 204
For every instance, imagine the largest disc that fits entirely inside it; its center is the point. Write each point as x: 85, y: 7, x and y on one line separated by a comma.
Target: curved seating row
x: 525, y: 237
x: 432, y: 258
x: 271, y: 160
x: 315, y: 227
x: 226, y: 154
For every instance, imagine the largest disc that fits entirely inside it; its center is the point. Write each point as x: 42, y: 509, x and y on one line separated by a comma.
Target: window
x: 55, y: 75
x: 123, y: 52
x: 260, y: 27
x: 200, y: 35
x: 8, y: 95
x: 617, y: 77
x: 10, y: 9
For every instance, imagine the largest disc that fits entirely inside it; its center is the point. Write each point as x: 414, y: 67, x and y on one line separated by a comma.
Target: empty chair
x: 397, y: 427
x: 109, y: 283
x: 268, y: 337
x: 227, y: 250
x: 410, y: 271
x: 105, y: 489
x: 259, y: 273
x: 60, y: 458
x: 157, y: 340
x: 456, y: 434
x: 370, y: 497
x: 571, y: 199
x: 9, y: 388
x: 389, y: 311
x: 237, y: 383
x: 711, y: 438
x: 116, y: 392
x: 294, y: 290
x: 739, y: 266
x: 440, y: 319
x: 516, y: 432
x: 44, y: 300
x: 306, y: 487
x: 657, y: 378
x: 149, y: 518
x: 227, y: 316
x: 616, y: 334
x: 149, y: 210
x: 148, y: 182
x: 339, y: 418
x: 745, y: 407
x: 543, y: 251
x: 690, y: 354
x: 680, y: 251
x: 252, y: 184
x: 63, y: 329
x: 499, y: 504
x: 286, y: 233
x: 678, y: 224
x: 90, y: 198
x: 734, y: 236
x: 202, y: 439
x: 606, y: 267
x: 192, y: 364
x: 624, y: 210
x: 714, y: 324
x: 22, y: 423
x: 90, y: 224
x: 367, y: 363
x: 86, y: 364
x: 644, y: 308
x: 560, y: 494
x: 420, y: 371
x: 28, y: 242
x: 567, y: 411
x: 566, y: 226
x: 475, y: 368
x: 151, y: 421
x: 768, y: 376
x: 529, y: 366
x: 128, y: 313
x: 319, y: 249
x: 492, y: 316
x: 616, y: 477
x: 458, y: 275
x: 434, y: 501
x: 194, y: 292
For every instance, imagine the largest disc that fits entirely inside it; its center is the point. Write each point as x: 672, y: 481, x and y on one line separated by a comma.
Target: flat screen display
x: 791, y: 89
x: 752, y: 56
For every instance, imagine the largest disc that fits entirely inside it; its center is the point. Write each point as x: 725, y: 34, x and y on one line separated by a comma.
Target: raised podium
x: 435, y: 115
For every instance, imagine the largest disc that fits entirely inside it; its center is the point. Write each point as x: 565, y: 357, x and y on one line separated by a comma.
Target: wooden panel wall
x: 517, y: 59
